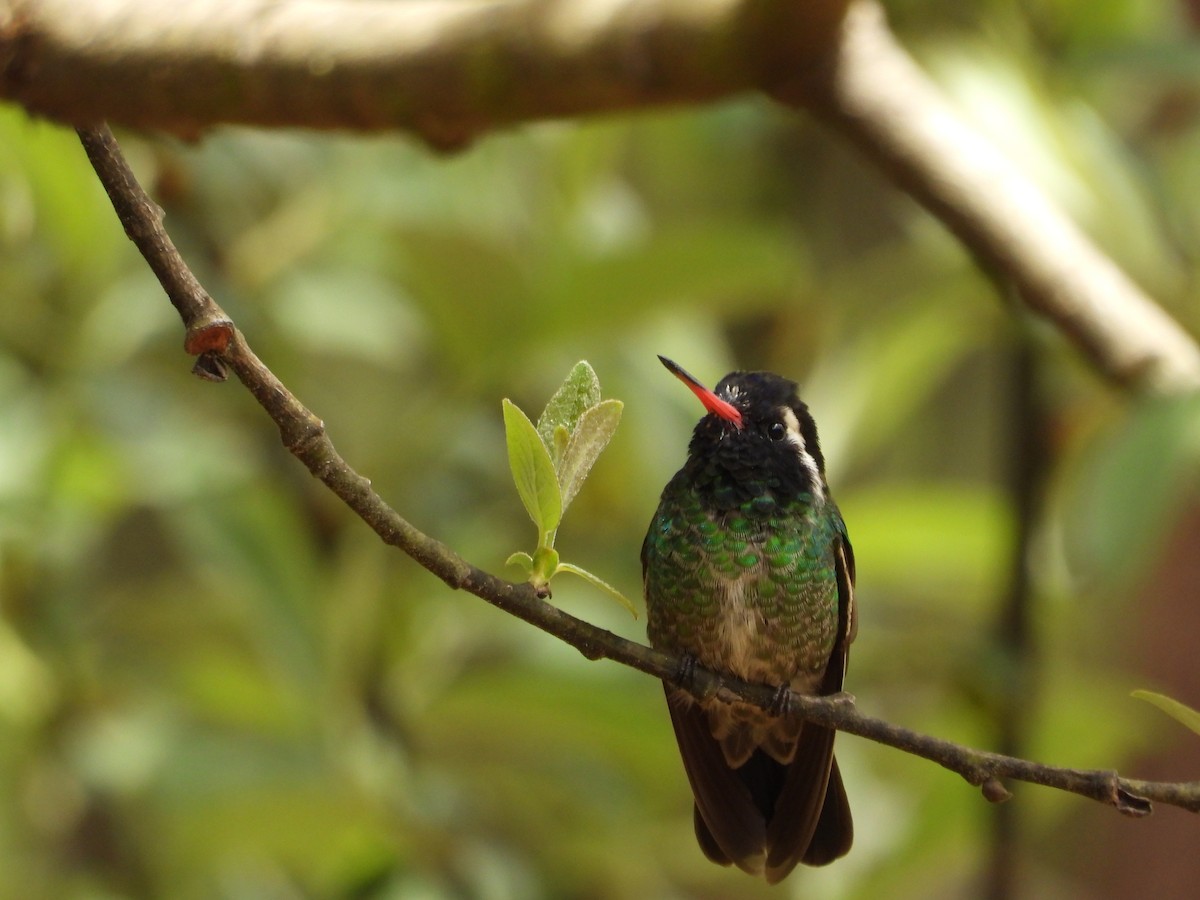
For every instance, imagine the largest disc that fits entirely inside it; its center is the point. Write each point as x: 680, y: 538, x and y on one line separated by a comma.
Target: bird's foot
x: 781, y: 703
x: 685, y: 674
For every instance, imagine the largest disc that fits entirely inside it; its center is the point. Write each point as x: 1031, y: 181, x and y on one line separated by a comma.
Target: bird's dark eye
x: 777, y: 431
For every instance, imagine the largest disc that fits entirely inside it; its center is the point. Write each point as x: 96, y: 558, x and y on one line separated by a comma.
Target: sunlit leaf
x: 600, y: 583
x: 592, y: 434
x: 579, y: 391
x: 545, y: 564
x: 522, y: 560
x: 1180, y: 712
x: 562, y: 437
x: 532, y: 470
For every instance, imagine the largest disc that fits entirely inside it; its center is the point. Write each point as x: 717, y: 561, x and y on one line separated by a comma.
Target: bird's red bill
x: 723, y: 409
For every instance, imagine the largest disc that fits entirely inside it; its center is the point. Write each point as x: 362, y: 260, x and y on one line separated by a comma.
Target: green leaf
x: 545, y: 564
x: 600, y: 583
x: 532, y: 471
x: 522, y: 560
x: 591, y: 436
x: 1181, y: 713
x: 562, y: 437
x: 579, y: 392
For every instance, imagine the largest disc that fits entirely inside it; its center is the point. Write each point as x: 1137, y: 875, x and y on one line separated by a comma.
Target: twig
x: 211, y: 334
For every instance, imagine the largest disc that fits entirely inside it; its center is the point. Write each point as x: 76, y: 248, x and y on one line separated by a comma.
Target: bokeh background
x: 216, y: 682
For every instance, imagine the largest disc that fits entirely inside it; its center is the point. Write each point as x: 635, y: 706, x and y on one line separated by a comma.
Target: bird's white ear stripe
x: 796, y: 438
x: 793, y: 428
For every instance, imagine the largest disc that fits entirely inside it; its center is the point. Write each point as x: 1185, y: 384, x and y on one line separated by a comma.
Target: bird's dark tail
x: 765, y: 817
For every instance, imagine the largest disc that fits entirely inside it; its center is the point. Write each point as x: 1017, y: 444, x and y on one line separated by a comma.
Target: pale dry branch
x: 446, y: 70
x: 878, y: 97
x: 451, y: 70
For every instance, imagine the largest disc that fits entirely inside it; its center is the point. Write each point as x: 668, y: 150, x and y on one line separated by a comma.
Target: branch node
x: 304, y: 435
x: 590, y: 650
x: 210, y: 367
x: 973, y: 770
x: 994, y: 791
x: 211, y: 335
x: 1127, y: 802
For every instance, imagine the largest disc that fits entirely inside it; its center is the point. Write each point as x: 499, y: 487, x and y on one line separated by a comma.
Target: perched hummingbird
x: 747, y: 570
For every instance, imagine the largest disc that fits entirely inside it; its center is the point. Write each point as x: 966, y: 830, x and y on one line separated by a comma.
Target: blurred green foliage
x: 215, y: 682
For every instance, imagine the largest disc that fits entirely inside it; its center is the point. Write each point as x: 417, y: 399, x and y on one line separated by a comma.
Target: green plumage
x: 748, y: 570
x: 783, y: 563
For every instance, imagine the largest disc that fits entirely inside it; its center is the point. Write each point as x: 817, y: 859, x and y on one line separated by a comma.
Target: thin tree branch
x: 211, y: 335
x: 1016, y: 694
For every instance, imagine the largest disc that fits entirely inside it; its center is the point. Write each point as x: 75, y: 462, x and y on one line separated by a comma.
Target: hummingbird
x: 748, y: 571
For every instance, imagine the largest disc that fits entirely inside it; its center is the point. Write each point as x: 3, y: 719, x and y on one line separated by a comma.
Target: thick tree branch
x: 212, y: 336
x: 449, y: 70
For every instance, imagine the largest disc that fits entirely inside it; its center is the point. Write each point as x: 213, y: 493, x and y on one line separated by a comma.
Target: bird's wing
x: 811, y: 821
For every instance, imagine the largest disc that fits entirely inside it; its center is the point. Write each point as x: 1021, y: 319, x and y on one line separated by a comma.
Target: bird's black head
x: 758, y: 440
